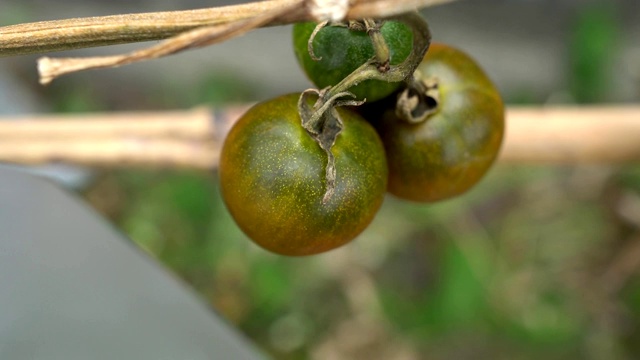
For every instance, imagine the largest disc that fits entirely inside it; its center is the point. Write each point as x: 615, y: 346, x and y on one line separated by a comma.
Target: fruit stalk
x: 397, y: 73
x: 321, y: 121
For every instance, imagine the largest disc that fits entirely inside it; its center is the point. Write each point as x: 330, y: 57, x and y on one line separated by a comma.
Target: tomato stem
x: 321, y: 120
x: 383, y: 56
x: 395, y: 73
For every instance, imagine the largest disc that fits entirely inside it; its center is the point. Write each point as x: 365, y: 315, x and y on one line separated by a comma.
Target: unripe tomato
x: 272, y: 177
x: 342, y: 51
x: 448, y: 153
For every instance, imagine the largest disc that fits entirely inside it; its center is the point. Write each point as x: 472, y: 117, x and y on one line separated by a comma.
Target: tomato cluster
x: 273, y: 169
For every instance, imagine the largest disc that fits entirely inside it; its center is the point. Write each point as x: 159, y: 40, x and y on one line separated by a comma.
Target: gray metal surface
x: 72, y: 287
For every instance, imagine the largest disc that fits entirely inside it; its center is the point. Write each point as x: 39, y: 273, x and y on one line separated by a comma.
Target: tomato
x: 452, y: 150
x: 342, y: 51
x: 272, y: 176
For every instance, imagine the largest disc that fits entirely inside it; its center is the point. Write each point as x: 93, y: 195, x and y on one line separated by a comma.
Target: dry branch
x: 185, y: 29
x: 69, y: 34
x: 191, y: 124
x: 203, y: 36
x: 554, y: 135
x: 113, y: 152
x: 589, y: 134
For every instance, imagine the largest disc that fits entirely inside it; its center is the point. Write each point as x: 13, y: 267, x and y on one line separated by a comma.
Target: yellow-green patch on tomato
x: 272, y: 177
x: 343, y: 50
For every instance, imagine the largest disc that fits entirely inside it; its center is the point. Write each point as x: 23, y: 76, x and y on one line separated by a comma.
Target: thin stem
x: 396, y: 73
x: 380, y: 47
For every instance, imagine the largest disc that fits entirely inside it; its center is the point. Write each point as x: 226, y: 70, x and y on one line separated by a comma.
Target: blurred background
x: 534, y: 262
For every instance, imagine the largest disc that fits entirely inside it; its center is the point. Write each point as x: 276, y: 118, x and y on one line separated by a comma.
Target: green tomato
x: 452, y: 150
x: 272, y: 176
x: 342, y: 51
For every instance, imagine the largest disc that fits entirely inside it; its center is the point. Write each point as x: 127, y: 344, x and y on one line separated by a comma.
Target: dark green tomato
x: 272, y: 177
x: 452, y: 150
x: 342, y: 51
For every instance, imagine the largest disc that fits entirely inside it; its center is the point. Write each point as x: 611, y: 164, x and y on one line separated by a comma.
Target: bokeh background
x: 534, y: 262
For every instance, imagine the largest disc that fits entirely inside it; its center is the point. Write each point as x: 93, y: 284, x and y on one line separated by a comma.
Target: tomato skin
x: 272, y: 177
x: 452, y: 150
x: 342, y: 51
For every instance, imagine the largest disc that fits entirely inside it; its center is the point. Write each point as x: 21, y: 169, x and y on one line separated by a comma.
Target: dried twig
x: 555, y: 135
x: 589, y: 134
x: 70, y: 34
x: 172, y: 139
x: 114, y: 152
x: 190, y: 29
x: 190, y: 124
x: 51, y: 68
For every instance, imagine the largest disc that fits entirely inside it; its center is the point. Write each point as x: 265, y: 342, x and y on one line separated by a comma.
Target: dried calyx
x: 418, y: 100
x: 322, y: 122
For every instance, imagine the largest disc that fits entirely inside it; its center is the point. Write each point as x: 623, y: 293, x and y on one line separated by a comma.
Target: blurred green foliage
x: 532, y: 263
x: 593, y: 45
x: 512, y: 270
